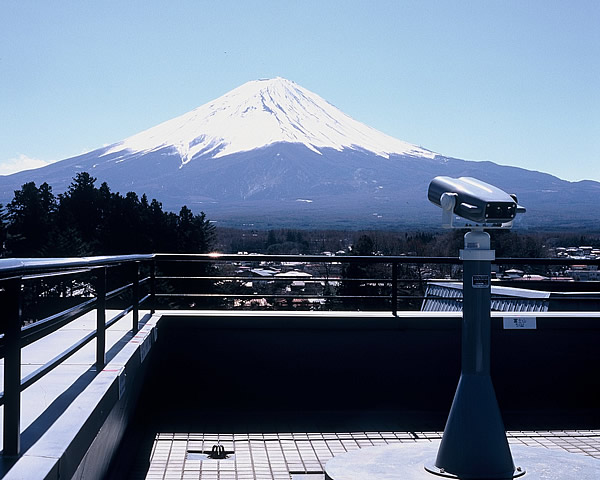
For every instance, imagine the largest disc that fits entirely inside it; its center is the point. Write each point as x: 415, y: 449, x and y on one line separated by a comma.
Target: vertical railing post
x: 153, y: 286
x: 136, y: 296
x: 101, y: 319
x: 12, y: 366
x: 395, y: 289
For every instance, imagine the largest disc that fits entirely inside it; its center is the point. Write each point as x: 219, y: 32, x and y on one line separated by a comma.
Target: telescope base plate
x: 407, y: 461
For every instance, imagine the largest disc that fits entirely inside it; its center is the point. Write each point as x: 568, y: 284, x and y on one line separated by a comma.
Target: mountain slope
x: 261, y: 113
x: 271, y: 153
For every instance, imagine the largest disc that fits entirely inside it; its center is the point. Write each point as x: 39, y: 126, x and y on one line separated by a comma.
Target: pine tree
x: 31, y: 216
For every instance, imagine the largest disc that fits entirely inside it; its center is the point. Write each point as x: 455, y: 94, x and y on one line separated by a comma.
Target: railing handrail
x: 29, y: 266
x: 299, y: 258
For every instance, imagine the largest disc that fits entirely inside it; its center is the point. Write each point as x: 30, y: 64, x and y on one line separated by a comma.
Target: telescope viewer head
x: 473, y: 200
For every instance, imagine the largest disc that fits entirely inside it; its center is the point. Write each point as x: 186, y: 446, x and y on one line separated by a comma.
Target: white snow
x: 260, y: 113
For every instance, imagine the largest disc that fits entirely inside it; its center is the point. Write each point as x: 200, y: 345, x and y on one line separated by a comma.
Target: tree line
x: 87, y: 220
x: 432, y: 243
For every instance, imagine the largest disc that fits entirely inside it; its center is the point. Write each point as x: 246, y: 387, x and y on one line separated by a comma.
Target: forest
x: 87, y: 220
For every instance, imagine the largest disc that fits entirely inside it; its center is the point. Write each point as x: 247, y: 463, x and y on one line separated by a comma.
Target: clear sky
x: 516, y: 82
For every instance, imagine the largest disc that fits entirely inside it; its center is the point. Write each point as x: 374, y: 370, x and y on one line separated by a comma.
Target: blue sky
x: 514, y: 82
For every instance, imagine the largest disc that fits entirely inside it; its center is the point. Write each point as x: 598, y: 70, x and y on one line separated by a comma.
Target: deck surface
x: 302, y: 456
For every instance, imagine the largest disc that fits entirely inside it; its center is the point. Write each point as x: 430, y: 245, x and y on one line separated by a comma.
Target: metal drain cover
x: 217, y: 452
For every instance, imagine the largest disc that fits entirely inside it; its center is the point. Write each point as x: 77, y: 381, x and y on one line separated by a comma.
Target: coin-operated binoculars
x: 474, y: 201
x: 474, y: 444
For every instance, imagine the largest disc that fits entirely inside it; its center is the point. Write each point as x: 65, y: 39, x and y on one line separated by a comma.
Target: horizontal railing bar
x: 401, y: 259
x: 56, y: 274
x: 547, y: 261
x: 281, y: 279
x: 210, y: 257
x: 561, y: 296
x: 308, y: 279
x: 144, y: 298
x: 234, y: 296
x: 300, y: 279
x: 37, y: 330
x: 119, y: 316
x: 117, y: 291
x: 56, y: 361
x: 339, y: 279
x: 387, y: 297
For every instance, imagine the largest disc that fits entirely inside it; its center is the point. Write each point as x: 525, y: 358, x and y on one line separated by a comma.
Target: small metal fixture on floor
x: 217, y: 452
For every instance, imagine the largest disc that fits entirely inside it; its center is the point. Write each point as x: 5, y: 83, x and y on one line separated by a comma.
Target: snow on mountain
x: 260, y: 113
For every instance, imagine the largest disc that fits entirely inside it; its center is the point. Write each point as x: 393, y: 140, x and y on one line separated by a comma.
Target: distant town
x: 313, y: 285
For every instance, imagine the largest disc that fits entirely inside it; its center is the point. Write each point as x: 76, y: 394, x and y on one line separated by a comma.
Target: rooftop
x: 282, y: 391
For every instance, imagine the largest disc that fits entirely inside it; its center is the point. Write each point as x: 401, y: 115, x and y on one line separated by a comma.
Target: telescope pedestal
x: 474, y: 443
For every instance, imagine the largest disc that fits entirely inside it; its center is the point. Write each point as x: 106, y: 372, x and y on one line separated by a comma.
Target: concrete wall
x: 411, y: 363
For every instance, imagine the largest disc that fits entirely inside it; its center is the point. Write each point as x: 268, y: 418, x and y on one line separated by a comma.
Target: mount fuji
x: 273, y: 154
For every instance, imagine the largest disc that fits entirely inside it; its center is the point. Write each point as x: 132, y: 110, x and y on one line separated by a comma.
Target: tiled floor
x: 302, y: 456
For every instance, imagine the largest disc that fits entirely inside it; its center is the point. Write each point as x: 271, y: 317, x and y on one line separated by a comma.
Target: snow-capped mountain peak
x: 260, y: 113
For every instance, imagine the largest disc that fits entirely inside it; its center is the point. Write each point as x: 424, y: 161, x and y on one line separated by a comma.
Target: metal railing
x: 172, y: 281
x: 389, y: 283
x: 14, y: 276
x: 343, y: 282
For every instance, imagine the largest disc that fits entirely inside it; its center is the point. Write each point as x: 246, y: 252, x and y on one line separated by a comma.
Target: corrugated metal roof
x: 447, y: 297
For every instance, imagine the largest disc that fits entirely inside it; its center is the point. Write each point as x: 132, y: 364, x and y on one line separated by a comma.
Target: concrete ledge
x: 415, y: 320
x: 371, y: 360
x: 81, y: 443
